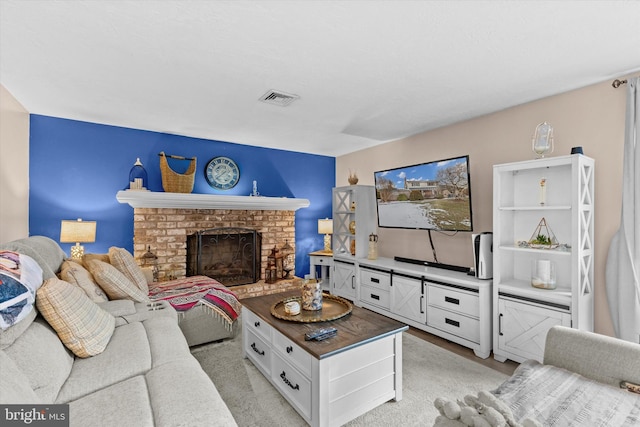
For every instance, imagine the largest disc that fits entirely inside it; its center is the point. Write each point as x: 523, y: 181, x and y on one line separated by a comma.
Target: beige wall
x: 592, y: 117
x: 14, y: 168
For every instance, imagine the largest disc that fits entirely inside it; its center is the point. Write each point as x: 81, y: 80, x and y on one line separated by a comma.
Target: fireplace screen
x: 229, y: 255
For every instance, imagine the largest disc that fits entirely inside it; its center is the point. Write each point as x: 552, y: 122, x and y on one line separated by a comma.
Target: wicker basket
x: 174, y: 182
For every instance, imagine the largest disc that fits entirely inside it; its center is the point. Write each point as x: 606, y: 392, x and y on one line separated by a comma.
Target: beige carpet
x: 428, y: 372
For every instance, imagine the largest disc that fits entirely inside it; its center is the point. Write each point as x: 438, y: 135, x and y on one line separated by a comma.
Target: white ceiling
x: 366, y: 72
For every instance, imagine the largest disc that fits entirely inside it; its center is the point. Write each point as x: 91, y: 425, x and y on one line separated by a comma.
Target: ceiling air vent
x: 278, y: 98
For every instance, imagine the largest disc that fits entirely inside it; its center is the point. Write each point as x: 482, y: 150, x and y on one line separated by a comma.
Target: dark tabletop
x: 356, y: 328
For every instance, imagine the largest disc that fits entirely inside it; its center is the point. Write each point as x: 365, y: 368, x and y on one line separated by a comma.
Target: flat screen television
x: 427, y: 196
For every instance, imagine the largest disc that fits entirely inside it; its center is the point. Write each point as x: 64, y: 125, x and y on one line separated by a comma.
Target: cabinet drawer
x: 375, y: 296
x: 292, y: 384
x: 321, y: 260
x: 454, y: 323
x: 454, y: 300
x: 258, y: 351
x: 257, y: 325
x: 375, y: 279
x: 293, y: 354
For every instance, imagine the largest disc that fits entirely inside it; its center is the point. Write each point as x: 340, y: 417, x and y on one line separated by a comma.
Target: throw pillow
x: 74, y: 273
x: 20, y: 278
x: 114, y: 283
x: 122, y: 260
x: 100, y: 257
x: 82, y: 326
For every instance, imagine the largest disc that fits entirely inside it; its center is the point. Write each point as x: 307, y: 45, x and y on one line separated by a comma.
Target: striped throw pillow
x: 83, y: 327
x: 115, y: 284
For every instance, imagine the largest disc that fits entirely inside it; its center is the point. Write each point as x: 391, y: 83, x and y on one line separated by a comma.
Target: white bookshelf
x: 522, y: 313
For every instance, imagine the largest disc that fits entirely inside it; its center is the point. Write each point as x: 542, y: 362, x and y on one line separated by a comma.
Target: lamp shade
x: 325, y: 226
x: 77, y: 231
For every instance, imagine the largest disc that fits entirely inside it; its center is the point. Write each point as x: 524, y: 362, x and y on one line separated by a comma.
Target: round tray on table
x: 333, y: 308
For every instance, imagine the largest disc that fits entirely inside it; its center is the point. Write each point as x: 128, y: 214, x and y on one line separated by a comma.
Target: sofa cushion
x: 119, y: 307
x: 130, y: 397
x: 122, y: 260
x: 45, y: 251
x: 126, y: 356
x: 114, y: 283
x: 20, y: 277
x: 133, y: 350
x: 41, y: 356
x: 166, y: 341
x: 75, y: 273
x: 82, y: 326
x: 14, y: 384
x: 192, y: 399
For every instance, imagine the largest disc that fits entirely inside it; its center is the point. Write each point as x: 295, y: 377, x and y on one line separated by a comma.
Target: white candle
x: 544, y: 270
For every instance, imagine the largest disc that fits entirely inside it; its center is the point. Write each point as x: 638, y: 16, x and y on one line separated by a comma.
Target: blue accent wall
x: 76, y: 168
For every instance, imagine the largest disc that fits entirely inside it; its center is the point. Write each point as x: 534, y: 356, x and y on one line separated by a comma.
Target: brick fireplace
x: 165, y: 229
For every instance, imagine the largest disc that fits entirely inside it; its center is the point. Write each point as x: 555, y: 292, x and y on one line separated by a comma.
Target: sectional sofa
x: 117, y: 362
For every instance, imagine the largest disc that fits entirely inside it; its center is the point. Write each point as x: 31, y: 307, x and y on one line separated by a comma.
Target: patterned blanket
x: 566, y: 399
x: 184, y: 294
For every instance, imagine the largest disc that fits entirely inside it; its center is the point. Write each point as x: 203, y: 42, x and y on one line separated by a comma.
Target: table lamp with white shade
x: 325, y: 226
x: 79, y: 232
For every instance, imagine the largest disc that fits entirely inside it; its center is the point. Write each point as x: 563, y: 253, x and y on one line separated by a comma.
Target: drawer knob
x: 256, y: 324
x: 289, y: 349
x: 260, y: 352
x: 283, y: 375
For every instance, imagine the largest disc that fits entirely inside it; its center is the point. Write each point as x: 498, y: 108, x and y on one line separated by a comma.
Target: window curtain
x: 623, y: 262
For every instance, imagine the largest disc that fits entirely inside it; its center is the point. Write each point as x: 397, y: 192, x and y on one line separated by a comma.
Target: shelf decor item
x: 333, y: 307
x: 542, y: 141
x: 352, y: 227
x: 275, y: 266
x: 353, y: 178
x: 543, y: 237
x: 543, y: 274
x: 289, y: 263
x: 174, y: 182
x: 150, y: 260
x: 311, y: 295
x: 543, y: 191
x: 373, y: 246
x: 138, y: 177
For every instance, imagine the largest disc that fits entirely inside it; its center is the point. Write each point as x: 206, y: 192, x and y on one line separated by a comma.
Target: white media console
x: 446, y: 303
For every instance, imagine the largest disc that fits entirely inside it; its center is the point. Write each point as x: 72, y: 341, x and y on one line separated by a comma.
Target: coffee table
x: 328, y: 382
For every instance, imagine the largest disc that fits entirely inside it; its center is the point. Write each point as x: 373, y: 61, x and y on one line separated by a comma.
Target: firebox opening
x: 228, y: 254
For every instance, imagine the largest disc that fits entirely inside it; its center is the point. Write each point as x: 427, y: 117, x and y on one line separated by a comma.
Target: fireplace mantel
x: 154, y: 199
